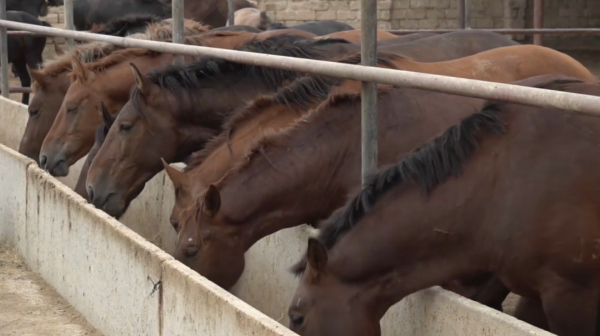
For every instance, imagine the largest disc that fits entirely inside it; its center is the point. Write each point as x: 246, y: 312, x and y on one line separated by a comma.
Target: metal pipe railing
x: 368, y: 49
x: 538, y: 20
x: 177, y: 13
x: 230, y: 13
x: 4, y: 52
x: 69, y: 22
x: 467, y: 14
x: 509, y: 31
x: 19, y: 89
x: 452, y: 85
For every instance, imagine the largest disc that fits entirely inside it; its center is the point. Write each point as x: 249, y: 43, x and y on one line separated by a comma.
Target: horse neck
x: 309, y: 161
x: 240, y: 139
x: 423, y: 241
x: 190, y: 137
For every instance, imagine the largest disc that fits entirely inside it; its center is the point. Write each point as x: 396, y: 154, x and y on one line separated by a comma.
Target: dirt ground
x: 30, y: 307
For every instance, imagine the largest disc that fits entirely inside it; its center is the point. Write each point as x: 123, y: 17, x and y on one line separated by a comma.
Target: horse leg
x: 25, y: 80
x: 531, y: 311
x: 492, y: 293
x: 570, y: 309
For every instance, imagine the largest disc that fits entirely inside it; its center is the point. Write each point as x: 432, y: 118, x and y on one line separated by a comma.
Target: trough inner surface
x: 29, y: 306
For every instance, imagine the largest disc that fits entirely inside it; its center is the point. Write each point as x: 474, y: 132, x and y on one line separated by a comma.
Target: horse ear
x: 140, y: 80
x: 316, y: 257
x: 212, y: 201
x: 177, y: 177
x: 38, y: 77
x: 106, y: 117
x: 79, y: 70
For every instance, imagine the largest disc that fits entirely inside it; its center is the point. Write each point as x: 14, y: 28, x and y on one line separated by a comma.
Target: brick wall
x: 56, y: 18
x: 431, y: 14
x: 400, y: 14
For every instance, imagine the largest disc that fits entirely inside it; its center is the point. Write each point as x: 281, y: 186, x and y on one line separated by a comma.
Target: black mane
x: 429, y: 165
x: 182, y: 80
x: 302, y: 92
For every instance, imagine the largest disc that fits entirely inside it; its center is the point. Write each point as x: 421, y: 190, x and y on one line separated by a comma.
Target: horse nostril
x: 191, y: 252
x: 90, y: 192
x: 43, y: 161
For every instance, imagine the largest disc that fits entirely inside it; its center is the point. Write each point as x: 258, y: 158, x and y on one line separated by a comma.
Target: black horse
x: 34, y: 7
x: 129, y: 24
x: 25, y: 51
x: 88, y: 12
x: 318, y: 28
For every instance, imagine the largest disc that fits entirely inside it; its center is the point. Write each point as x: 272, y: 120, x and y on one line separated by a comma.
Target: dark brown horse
x: 99, y: 136
x: 108, y: 80
x: 113, y: 182
x: 176, y: 111
x: 52, y: 82
x: 512, y: 190
x: 264, y: 115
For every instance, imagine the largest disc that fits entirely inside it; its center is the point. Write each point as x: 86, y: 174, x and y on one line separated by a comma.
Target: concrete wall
x: 108, y: 272
x: 569, y: 14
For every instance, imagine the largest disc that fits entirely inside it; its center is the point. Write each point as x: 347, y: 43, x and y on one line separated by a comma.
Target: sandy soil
x: 30, y: 307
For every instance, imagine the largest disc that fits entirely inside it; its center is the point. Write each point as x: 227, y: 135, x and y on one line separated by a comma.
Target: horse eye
x: 71, y: 109
x: 297, y: 321
x: 33, y: 113
x: 125, y: 127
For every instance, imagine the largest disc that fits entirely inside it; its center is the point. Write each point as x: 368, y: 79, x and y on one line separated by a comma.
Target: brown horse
x: 475, y: 198
x: 272, y: 207
x: 321, y: 142
x: 505, y: 65
x: 262, y: 116
x: 176, y: 111
x: 111, y: 180
x: 108, y: 80
x: 99, y: 136
x: 354, y: 36
x: 52, y: 82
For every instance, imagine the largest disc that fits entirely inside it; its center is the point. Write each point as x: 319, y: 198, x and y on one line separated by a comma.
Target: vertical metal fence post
x: 230, y: 11
x: 461, y: 14
x: 538, y: 20
x: 368, y: 26
x: 177, y: 22
x: 467, y: 14
x: 4, y: 52
x: 69, y: 22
